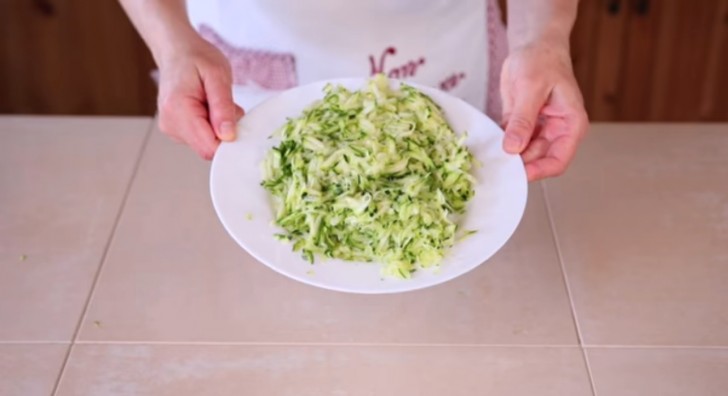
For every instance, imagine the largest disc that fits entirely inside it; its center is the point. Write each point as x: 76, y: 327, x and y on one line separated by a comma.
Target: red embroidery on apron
x: 452, y: 81
x: 408, y: 69
x: 267, y: 69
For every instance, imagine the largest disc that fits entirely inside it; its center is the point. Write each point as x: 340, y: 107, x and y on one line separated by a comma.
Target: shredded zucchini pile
x: 371, y: 175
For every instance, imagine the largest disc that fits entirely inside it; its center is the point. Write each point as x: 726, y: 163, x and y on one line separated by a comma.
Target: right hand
x: 195, y: 97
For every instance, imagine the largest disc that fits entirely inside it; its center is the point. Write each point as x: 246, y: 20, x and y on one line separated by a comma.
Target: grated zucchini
x: 374, y: 175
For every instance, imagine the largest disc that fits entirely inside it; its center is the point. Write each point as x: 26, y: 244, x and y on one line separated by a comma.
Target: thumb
x: 223, y: 111
x: 522, y: 121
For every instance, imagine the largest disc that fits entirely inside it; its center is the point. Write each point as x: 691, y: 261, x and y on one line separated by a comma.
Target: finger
x: 171, y: 109
x: 185, y: 118
x: 544, y: 167
x: 560, y: 153
x: 201, y: 138
x: 218, y: 88
x: 169, y: 132
x: 239, y: 112
x: 535, y: 150
x: 566, y: 125
x: 522, y: 119
x: 196, y: 134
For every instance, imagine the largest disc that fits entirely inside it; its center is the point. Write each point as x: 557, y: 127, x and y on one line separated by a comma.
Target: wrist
x: 164, y: 26
x: 543, y: 23
x: 555, y: 39
x: 170, y: 41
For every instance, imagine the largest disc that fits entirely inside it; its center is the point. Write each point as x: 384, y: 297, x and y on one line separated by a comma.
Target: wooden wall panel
x: 36, y: 72
x: 583, y: 52
x: 72, y: 57
x: 714, y: 98
x: 639, y: 59
x: 610, y: 41
x: 682, y: 59
x: 665, y: 63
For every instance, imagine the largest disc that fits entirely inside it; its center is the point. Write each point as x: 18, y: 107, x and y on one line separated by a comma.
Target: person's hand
x: 543, y: 110
x: 195, y: 96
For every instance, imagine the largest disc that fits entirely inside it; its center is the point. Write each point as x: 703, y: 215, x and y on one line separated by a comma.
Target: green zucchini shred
x: 375, y: 175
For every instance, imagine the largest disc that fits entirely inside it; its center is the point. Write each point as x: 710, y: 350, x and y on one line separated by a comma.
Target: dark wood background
x: 636, y: 60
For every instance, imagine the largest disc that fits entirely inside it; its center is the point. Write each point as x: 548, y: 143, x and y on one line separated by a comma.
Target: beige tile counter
x: 117, y: 279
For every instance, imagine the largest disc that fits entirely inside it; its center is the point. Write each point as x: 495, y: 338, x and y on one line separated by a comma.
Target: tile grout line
x: 102, y: 260
x: 34, y: 342
x: 324, y: 344
x: 673, y: 347
x: 364, y: 344
x: 565, y: 278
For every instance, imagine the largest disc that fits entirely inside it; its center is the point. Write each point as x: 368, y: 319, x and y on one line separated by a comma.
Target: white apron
x: 274, y: 45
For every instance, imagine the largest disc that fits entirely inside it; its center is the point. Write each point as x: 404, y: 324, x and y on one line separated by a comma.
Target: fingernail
x: 512, y: 143
x: 227, y: 131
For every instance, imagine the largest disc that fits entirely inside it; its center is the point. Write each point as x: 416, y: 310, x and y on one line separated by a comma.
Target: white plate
x: 495, y: 210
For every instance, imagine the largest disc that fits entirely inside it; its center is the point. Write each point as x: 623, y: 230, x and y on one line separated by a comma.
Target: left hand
x: 543, y: 110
